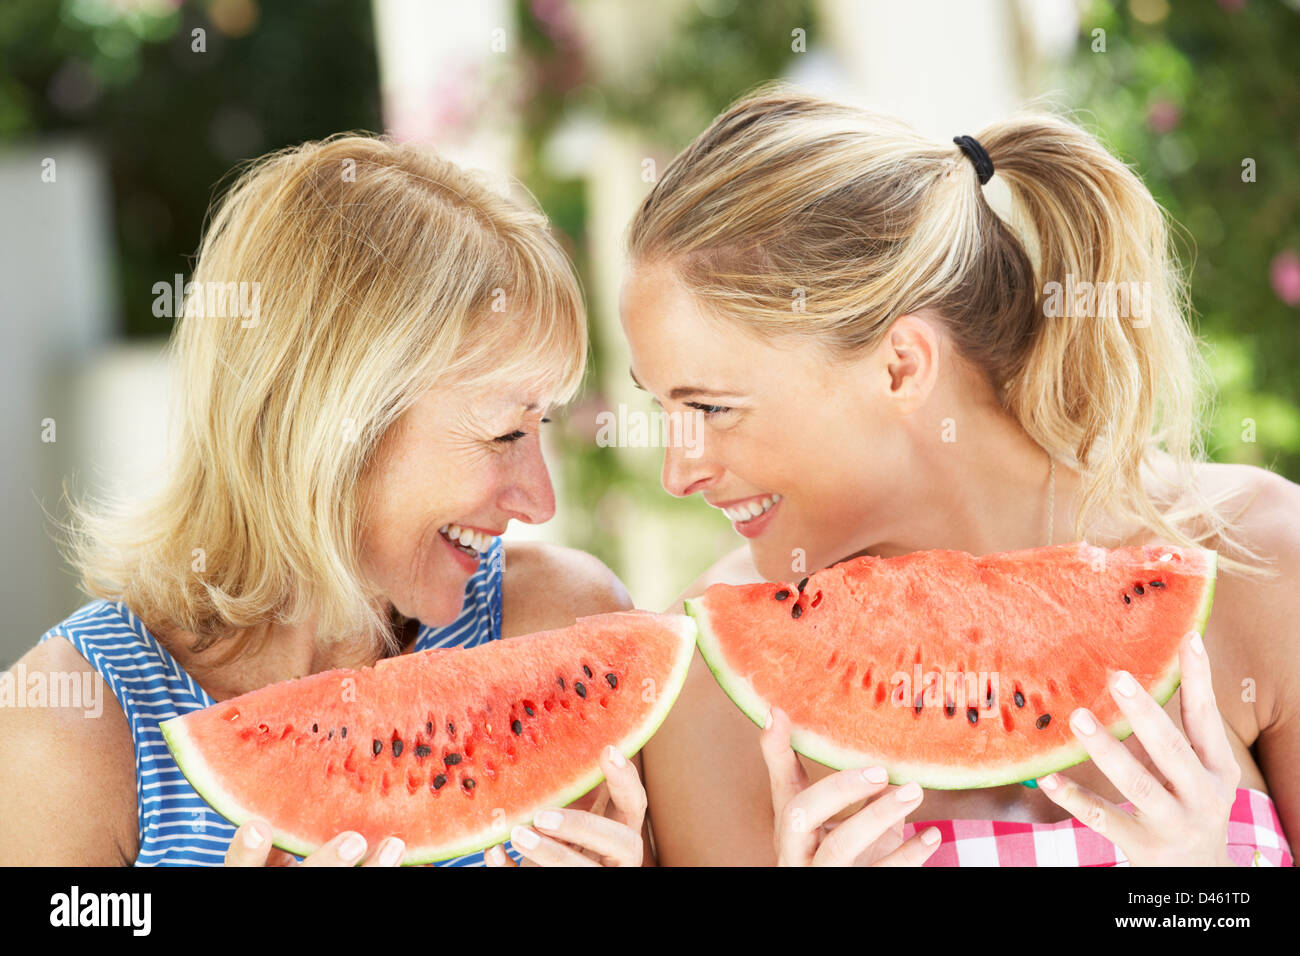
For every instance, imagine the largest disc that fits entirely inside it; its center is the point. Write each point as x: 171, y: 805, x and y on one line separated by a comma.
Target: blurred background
x: 119, y: 119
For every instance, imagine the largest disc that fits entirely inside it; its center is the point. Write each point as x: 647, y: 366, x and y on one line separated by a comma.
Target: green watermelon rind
x: 209, y: 788
x: 931, y: 777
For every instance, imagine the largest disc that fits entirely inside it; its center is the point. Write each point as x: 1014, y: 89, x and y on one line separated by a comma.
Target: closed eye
x: 709, y: 410
x: 516, y: 434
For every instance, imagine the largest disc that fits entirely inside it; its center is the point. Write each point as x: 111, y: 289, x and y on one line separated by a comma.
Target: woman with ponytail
x: 885, y: 363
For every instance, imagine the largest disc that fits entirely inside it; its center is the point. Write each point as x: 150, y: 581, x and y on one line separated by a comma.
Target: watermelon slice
x: 952, y: 670
x: 446, y: 749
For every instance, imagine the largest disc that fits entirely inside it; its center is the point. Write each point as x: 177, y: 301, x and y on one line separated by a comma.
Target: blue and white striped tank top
x: 177, y: 828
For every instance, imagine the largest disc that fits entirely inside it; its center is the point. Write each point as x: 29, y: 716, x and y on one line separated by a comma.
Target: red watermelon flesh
x: 445, y: 749
x: 951, y: 670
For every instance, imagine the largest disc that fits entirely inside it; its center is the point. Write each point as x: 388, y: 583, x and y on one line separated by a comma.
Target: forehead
x: 674, y: 341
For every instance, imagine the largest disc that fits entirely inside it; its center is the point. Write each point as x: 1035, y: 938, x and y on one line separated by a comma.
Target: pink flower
x: 1163, y: 116
x: 1284, y: 273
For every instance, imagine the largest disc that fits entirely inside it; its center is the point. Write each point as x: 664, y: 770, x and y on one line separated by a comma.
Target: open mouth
x: 466, y: 540
x: 749, y: 510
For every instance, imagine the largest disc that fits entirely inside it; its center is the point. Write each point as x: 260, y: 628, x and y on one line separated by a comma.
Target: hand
x: 1183, y: 823
x: 252, y: 847
x: 873, y: 836
x: 609, y: 834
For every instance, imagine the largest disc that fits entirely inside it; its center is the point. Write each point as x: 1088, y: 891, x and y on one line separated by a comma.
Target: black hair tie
x: 971, y: 147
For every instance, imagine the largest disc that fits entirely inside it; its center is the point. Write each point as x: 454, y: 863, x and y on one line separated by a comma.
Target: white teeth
x: 466, y: 537
x: 751, y: 509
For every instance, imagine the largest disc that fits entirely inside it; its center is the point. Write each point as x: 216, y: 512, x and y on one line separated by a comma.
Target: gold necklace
x: 1051, y: 500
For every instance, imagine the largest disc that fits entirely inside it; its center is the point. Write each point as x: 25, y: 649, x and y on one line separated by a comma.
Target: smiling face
x: 819, y: 443
x: 460, y: 462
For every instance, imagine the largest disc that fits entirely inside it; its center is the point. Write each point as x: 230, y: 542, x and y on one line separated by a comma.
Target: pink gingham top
x: 1255, y: 838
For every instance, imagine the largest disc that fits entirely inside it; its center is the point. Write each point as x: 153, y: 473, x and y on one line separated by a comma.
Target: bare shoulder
x: 67, y: 773
x: 1256, y: 618
x: 736, y: 567
x: 547, y: 586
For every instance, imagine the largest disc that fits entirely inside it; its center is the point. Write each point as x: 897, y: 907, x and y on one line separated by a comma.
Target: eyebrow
x: 686, y: 391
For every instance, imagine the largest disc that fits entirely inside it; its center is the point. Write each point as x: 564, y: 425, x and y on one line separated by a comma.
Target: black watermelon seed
x: 1127, y: 599
x: 802, y: 584
x: 517, y: 727
x: 451, y: 759
x: 1043, y: 721
x: 973, y: 714
x: 561, y: 683
x: 949, y: 708
x: 781, y: 595
x: 429, y: 727
x: 438, y: 781
x: 582, y: 691
x: 796, y: 611
x: 315, y: 729
x: 1156, y: 584
x: 919, y: 700
x: 377, y: 747
x: 586, y: 670
x: 330, y: 735
x: 468, y: 783
x: 612, y: 679
x: 988, y: 698
x: 1139, y: 589
x: 451, y: 729
x: 397, y: 748
x: 1020, y: 699
x: 421, y: 750
x: 528, y: 710
x: 344, y: 733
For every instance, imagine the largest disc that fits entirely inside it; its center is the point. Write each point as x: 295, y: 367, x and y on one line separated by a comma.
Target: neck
x: 986, y: 491
x: 277, y: 652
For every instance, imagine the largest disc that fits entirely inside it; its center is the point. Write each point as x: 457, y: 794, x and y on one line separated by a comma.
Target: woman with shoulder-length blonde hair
x: 346, y: 454
x: 886, y: 364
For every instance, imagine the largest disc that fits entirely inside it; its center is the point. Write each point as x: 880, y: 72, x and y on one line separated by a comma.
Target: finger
x: 497, y: 856
x: 915, y: 851
x: 251, y: 845
x: 626, y: 794
x: 799, y: 823
x: 543, y: 851
x: 1201, y: 717
x: 785, y: 774
x: 1147, y: 794
x: 388, y: 853
x: 1100, y: 816
x: 617, y: 843
x: 346, y: 849
x: 854, y: 836
x: 1160, y: 738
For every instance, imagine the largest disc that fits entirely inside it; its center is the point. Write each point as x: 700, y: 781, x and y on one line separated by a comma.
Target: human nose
x: 686, y: 473
x: 530, y: 497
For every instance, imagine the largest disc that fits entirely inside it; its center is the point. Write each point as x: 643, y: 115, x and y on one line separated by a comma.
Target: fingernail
x: 1198, y: 645
x: 1082, y: 722
x: 548, y: 820
x: 495, y: 856
x: 392, y: 852
x: 616, y: 758
x: 1049, y: 782
x: 930, y: 837
x: 768, y: 725
x: 352, y: 847
x: 253, y: 838
x: 908, y: 792
x: 1125, y: 684
x: 525, y: 837
x: 876, y: 775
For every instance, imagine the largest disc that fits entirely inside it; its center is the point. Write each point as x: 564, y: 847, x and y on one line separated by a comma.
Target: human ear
x: 910, y: 353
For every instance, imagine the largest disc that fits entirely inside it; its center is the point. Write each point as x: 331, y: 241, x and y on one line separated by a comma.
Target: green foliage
x: 1186, y: 100
x: 171, y: 121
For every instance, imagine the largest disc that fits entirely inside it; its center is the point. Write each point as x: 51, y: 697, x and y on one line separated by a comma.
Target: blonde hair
x: 786, y: 192
x: 383, y: 271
